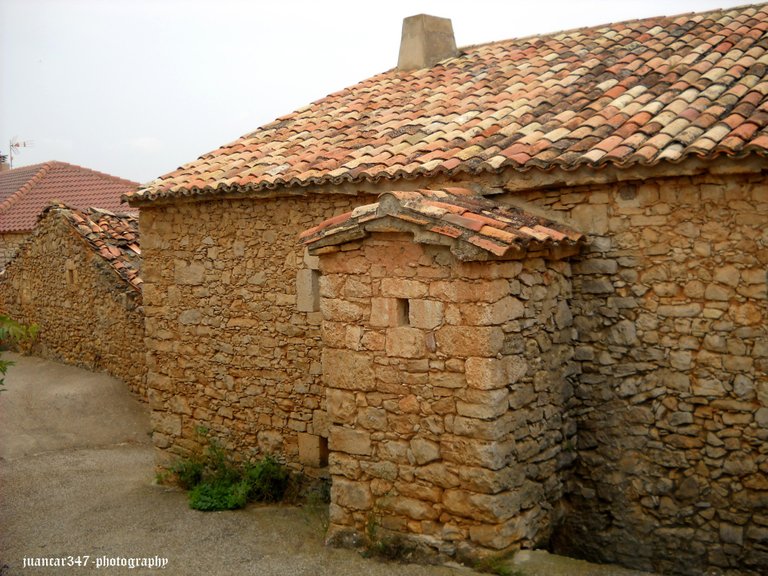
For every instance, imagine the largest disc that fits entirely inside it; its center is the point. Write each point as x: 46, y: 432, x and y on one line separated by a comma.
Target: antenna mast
x: 14, y: 146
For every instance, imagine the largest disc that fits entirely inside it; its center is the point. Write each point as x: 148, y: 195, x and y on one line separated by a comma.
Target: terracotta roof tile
x: 574, y: 99
x: 25, y: 192
x: 114, y: 237
x: 494, y: 229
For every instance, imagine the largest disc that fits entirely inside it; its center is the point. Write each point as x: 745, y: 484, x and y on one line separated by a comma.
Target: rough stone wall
x: 447, y: 389
x: 231, y: 347
x: 88, y: 316
x: 9, y: 244
x: 671, y: 311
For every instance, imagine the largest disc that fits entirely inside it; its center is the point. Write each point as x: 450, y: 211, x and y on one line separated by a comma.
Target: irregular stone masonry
x: 669, y: 366
x: 447, y: 394
x: 9, y: 244
x: 89, y: 315
x: 231, y: 346
x: 672, y: 387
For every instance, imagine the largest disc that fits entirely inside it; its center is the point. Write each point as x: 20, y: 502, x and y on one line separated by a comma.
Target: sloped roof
x: 114, y: 237
x: 474, y: 227
x: 26, y: 191
x: 627, y: 94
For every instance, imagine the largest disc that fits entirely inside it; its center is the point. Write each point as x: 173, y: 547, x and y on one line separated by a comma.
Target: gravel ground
x: 77, y: 479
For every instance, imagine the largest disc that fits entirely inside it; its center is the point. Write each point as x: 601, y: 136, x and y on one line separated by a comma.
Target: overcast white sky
x: 136, y: 88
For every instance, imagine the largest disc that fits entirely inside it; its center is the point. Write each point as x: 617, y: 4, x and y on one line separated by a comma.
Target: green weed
x: 12, y: 334
x: 499, y: 565
x: 216, y: 482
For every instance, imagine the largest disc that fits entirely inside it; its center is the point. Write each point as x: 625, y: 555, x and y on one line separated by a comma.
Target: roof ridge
x: 45, y: 167
x: 91, y: 170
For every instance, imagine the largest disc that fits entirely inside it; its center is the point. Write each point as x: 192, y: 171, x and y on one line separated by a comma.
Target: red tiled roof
x: 627, y: 94
x: 476, y: 228
x: 26, y: 191
x: 114, y: 237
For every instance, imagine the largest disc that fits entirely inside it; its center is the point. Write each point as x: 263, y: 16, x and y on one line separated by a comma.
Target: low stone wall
x: 672, y: 396
x: 88, y: 316
x: 233, y: 328
x: 447, y: 392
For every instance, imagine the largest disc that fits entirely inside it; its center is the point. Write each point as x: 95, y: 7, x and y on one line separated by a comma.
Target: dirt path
x: 76, y: 480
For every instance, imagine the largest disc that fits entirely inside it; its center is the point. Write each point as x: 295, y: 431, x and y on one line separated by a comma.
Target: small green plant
x: 13, y: 333
x: 216, y: 482
x: 188, y: 473
x: 316, y: 507
x: 219, y: 495
x: 267, y: 480
x: 499, y: 565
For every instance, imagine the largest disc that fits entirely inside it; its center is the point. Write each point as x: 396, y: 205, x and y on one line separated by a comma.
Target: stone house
x: 528, y: 304
x: 77, y: 276
x: 25, y: 192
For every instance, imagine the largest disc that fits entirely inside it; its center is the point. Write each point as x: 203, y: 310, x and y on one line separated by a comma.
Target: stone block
x: 405, y: 342
x: 731, y: 534
x: 466, y: 291
x: 342, y: 408
x: 384, y: 312
x: 498, y: 536
x: 465, y: 341
x: 438, y: 474
x: 188, y: 273
x: 680, y: 310
x: 350, y: 441
x: 747, y: 314
x: 338, y: 310
x: 403, y: 288
x: 320, y: 422
x: 424, y: 451
x: 348, y: 369
x: 453, y: 380
x: 483, y: 507
x: 492, y: 455
x: 487, y: 481
x: 165, y: 423
x: 313, y: 450
x: 496, y: 404
x: 486, y: 373
x: 596, y: 266
x: 372, y: 418
x: 307, y: 290
x: 590, y: 218
x: 350, y: 494
x: 341, y: 464
x: 497, y: 313
x: 728, y: 275
x: 408, y: 507
x: 484, y: 429
x: 269, y: 441
x: 190, y: 317
x: 426, y: 314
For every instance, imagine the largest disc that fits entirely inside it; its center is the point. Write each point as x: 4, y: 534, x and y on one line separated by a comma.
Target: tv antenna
x: 14, y: 147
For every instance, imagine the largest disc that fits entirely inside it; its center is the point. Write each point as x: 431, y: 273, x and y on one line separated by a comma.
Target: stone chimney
x: 4, y: 165
x: 426, y: 40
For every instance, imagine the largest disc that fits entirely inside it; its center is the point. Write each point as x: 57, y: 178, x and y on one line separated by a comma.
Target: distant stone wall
x: 232, y: 345
x: 447, y: 388
x: 88, y: 316
x: 9, y: 243
x: 672, y: 396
